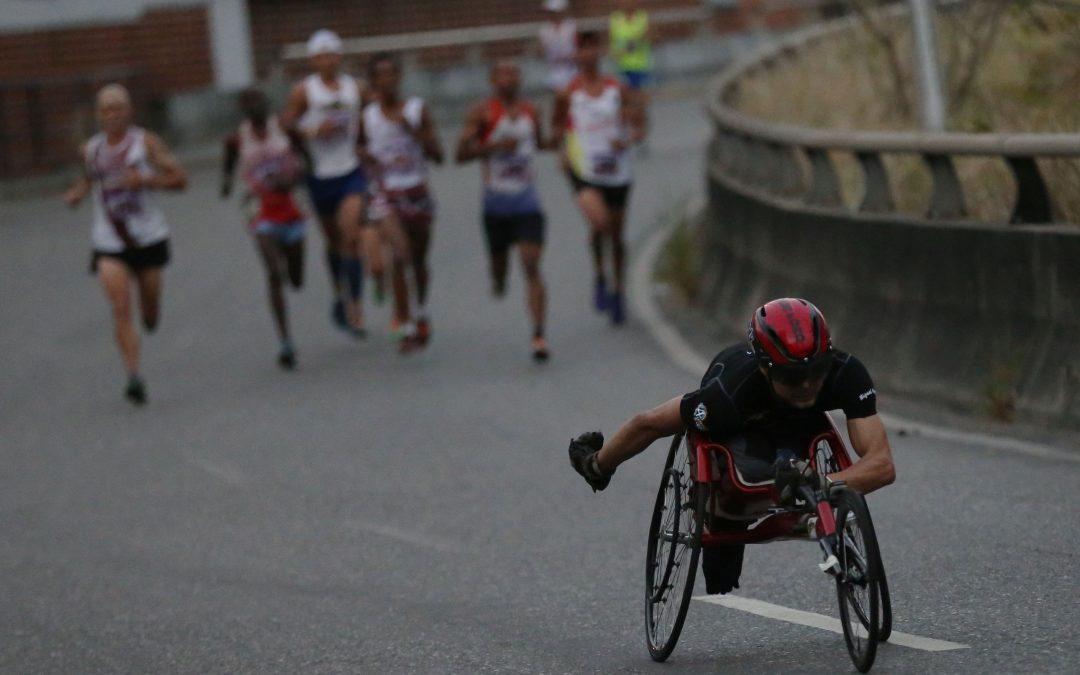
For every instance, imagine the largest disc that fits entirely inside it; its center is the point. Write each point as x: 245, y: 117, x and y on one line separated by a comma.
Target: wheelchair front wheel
x: 859, y: 585
x: 673, y: 551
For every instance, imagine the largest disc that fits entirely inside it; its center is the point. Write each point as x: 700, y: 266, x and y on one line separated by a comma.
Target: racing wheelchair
x: 710, y: 495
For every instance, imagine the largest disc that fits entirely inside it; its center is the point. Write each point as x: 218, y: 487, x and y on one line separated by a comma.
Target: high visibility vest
x: 629, y: 44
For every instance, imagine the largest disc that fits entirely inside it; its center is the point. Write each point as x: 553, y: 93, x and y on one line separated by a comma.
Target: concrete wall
x: 959, y: 313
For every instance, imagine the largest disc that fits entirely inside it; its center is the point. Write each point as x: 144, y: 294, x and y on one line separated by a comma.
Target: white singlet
x: 560, y: 44
x: 123, y: 218
x: 400, y: 157
x: 510, y: 172
x: 335, y: 155
x: 595, y: 122
x: 265, y: 158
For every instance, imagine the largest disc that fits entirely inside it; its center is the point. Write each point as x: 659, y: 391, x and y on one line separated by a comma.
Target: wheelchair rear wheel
x: 859, y: 585
x: 673, y: 551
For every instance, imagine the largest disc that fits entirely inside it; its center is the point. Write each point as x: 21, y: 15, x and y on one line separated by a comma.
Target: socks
x: 354, y: 274
x: 333, y: 262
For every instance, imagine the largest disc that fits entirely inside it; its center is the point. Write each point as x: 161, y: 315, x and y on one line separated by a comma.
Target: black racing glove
x: 790, y: 473
x: 583, y: 451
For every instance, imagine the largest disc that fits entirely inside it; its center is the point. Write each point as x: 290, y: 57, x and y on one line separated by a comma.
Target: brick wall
x: 48, y: 79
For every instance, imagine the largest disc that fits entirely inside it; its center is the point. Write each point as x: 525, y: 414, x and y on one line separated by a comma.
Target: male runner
x: 505, y: 133
x: 758, y: 399
x: 324, y: 109
x: 270, y: 168
x: 597, y: 122
x: 398, y: 137
x: 122, y: 164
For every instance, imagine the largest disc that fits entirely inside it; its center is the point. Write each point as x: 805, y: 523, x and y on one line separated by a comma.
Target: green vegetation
x: 1020, y: 73
x: 679, y: 265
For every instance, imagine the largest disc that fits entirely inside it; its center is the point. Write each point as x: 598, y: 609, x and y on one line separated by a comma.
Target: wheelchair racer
x: 759, y: 401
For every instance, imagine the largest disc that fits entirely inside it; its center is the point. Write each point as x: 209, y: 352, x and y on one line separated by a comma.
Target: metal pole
x: 933, y: 100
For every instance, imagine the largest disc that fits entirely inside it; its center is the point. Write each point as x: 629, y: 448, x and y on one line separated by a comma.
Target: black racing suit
x: 735, y: 405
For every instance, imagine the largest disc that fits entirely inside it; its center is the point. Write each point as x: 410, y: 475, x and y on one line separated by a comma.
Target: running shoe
x: 540, y: 351
x: 423, y: 331
x: 136, y: 390
x: 601, y: 299
x: 618, y: 312
x: 287, y: 358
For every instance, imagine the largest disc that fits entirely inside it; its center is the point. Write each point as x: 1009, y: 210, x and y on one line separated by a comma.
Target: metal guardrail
x: 765, y: 154
x: 481, y: 35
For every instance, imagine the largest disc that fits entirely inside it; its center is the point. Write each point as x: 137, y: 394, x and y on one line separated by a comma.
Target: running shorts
x: 286, y: 233
x: 328, y: 193
x: 503, y: 231
x: 413, y: 205
x: 615, y: 196
x: 135, y: 258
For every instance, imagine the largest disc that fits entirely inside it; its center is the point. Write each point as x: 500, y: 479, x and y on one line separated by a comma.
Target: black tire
x: 858, y: 585
x: 886, y: 608
x: 674, y: 549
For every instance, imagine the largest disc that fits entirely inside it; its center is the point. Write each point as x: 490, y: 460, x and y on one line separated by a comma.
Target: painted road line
x: 797, y: 616
x: 689, y: 359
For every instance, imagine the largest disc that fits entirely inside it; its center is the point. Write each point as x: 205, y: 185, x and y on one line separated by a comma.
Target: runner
x: 324, y: 109
x: 558, y: 37
x: 505, y: 133
x: 270, y: 168
x: 398, y: 136
x: 596, y: 122
x: 121, y: 165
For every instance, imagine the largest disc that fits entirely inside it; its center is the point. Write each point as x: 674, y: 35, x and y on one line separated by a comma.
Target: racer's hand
x: 790, y: 473
x: 582, y: 452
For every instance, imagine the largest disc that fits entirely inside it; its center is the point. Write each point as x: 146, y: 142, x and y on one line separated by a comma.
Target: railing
x: 767, y: 155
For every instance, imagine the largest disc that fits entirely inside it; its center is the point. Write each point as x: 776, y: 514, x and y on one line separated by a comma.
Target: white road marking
x: 797, y: 616
x: 223, y: 472
x: 689, y: 359
x: 413, y: 537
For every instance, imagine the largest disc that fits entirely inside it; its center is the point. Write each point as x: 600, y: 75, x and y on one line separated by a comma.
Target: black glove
x: 583, y: 451
x: 790, y: 473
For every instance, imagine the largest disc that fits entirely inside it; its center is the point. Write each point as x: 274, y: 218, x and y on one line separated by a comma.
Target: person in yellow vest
x: 628, y: 38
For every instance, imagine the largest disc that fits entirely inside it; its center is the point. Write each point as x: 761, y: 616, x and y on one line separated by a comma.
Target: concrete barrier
x: 965, y: 315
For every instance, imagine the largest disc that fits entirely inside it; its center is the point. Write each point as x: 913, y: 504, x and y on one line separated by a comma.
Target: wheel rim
x: 671, y: 552
x: 857, y: 587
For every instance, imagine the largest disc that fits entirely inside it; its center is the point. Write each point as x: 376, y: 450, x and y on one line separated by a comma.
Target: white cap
x: 323, y: 42
x: 556, y: 5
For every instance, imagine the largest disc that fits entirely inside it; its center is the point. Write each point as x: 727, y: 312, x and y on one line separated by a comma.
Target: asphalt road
x: 377, y: 514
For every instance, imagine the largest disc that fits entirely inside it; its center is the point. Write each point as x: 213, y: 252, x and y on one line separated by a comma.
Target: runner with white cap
x: 558, y: 37
x: 324, y: 108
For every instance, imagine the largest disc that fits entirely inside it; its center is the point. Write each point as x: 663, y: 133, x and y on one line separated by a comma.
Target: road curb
x: 682, y: 354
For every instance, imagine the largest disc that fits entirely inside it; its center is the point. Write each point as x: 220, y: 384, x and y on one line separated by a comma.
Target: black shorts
x: 505, y: 231
x: 615, y: 196
x: 136, y: 259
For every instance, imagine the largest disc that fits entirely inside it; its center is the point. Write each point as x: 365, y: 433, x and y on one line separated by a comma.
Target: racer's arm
x: 639, y: 433
x: 170, y: 175
x: 560, y: 118
x: 228, y: 164
x: 874, y: 469
x: 428, y: 138
x: 634, y: 114
x: 82, y: 185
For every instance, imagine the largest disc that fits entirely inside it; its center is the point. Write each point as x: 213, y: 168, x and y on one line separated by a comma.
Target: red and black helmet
x: 790, y: 335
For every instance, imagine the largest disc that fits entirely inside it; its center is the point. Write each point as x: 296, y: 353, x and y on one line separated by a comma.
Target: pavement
x: 371, y: 513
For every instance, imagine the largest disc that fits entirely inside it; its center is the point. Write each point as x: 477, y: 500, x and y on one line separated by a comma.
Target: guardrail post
x: 947, y: 198
x: 1032, y: 198
x: 824, y: 185
x: 877, y: 195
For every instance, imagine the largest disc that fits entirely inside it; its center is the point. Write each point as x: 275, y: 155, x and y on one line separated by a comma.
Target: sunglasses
x: 794, y: 374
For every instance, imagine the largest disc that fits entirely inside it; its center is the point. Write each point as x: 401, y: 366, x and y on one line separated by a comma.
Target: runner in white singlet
x: 398, y: 138
x: 597, y: 124
x: 504, y: 133
x: 324, y: 109
x: 270, y: 168
x: 121, y: 165
x: 558, y: 37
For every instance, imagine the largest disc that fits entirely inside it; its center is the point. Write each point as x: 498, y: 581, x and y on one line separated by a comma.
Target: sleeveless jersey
x: 509, y: 186
x: 400, y: 158
x: 123, y: 218
x: 266, y: 165
x: 560, y: 44
x: 334, y: 155
x: 596, y: 121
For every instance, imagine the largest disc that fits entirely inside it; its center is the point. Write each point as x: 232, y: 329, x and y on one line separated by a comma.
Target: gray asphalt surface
x: 377, y: 514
